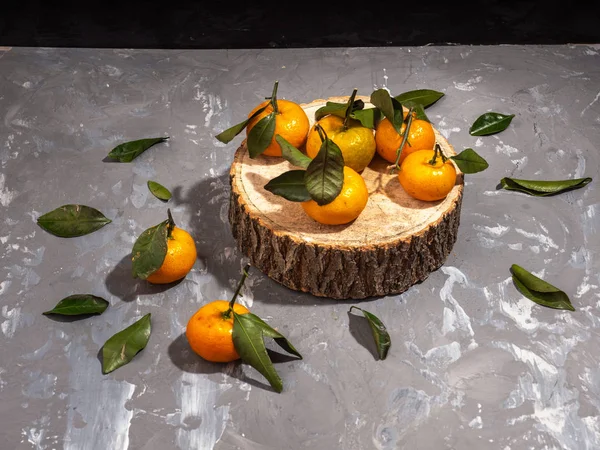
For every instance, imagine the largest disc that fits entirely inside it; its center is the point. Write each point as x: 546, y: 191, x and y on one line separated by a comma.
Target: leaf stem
x: 321, y: 132
x: 227, y: 314
x: 274, y: 98
x: 404, y: 138
x: 349, y: 108
x: 170, y: 223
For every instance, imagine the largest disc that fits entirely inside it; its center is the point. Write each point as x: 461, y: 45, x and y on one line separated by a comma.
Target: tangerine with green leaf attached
x: 356, y: 141
x: 179, y: 260
x: 291, y: 122
x: 346, y: 207
x: 209, y: 331
x: 420, y: 137
x: 427, y: 175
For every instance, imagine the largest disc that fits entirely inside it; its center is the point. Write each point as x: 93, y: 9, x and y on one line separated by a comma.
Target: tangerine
x: 291, y: 122
x: 426, y: 181
x: 355, y: 141
x: 210, y: 331
x: 179, y: 260
x: 346, y: 207
x: 387, y: 139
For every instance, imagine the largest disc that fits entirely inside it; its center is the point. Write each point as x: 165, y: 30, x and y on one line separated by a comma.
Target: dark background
x: 221, y: 24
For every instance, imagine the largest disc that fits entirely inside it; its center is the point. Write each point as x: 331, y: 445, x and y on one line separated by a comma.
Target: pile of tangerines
x: 423, y: 170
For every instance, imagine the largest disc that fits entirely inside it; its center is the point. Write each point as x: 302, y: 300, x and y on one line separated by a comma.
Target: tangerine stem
x: 227, y: 313
x: 170, y: 223
x: 437, y: 149
x: 404, y: 138
x: 274, y: 98
x: 349, y: 108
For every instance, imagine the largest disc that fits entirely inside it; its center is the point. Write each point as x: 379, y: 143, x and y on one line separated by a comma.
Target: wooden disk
x: 397, y: 241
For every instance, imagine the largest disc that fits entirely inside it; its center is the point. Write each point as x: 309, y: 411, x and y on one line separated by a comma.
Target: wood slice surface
x: 397, y: 241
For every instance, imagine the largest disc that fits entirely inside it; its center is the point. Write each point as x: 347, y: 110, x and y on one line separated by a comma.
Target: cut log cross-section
x: 396, y: 242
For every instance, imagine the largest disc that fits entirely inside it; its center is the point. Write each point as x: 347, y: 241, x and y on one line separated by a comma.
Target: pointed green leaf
x: 338, y: 109
x: 227, y: 135
x: 248, y: 342
x: 291, y: 154
x: 490, y: 123
x: 149, y: 250
x: 539, y: 291
x: 261, y: 135
x: 367, y: 117
x: 72, y: 220
x: 422, y: 97
x: 290, y: 185
x: 279, y: 338
x: 79, y: 304
x: 324, y: 176
x: 123, y: 346
x: 468, y: 161
x: 380, y: 334
x: 419, y: 112
x: 128, y: 151
x: 541, y: 188
x: 389, y: 106
x: 159, y: 191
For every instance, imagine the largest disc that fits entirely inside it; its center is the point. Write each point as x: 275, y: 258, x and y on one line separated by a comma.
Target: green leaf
x: 543, y: 188
x: 248, y: 342
x: 128, y: 151
x: 78, y: 304
x: 324, y: 176
x: 538, y: 291
x: 72, y: 220
x: 292, y: 154
x: 422, y: 97
x: 468, y: 161
x: 389, y: 106
x: 380, y: 334
x: 290, y: 185
x: 367, y: 117
x: 338, y: 109
x: 419, y: 112
x: 490, y: 123
x: 123, y: 346
x: 149, y: 250
x: 159, y: 191
x: 279, y: 338
x: 227, y: 135
x: 261, y: 135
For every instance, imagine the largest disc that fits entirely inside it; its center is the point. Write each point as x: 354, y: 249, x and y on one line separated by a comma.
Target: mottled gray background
x: 473, y: 364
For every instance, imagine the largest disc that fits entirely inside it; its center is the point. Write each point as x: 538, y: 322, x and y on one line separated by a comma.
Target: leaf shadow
x: 121, y: 283
x: 99, y: 357
x: 184, y: 358
x: 361, y: 331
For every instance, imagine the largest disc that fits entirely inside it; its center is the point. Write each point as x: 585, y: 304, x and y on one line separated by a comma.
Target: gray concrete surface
x: 473, y: 364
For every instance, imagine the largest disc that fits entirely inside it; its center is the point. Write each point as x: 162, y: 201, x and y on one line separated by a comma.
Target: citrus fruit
x: 179, y: 260
x: 346, y: 207
x: 291, y: 123
x: 356, y: 142
x: 209, y: 331
x: 387, y: 139
x: 425, y: 181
